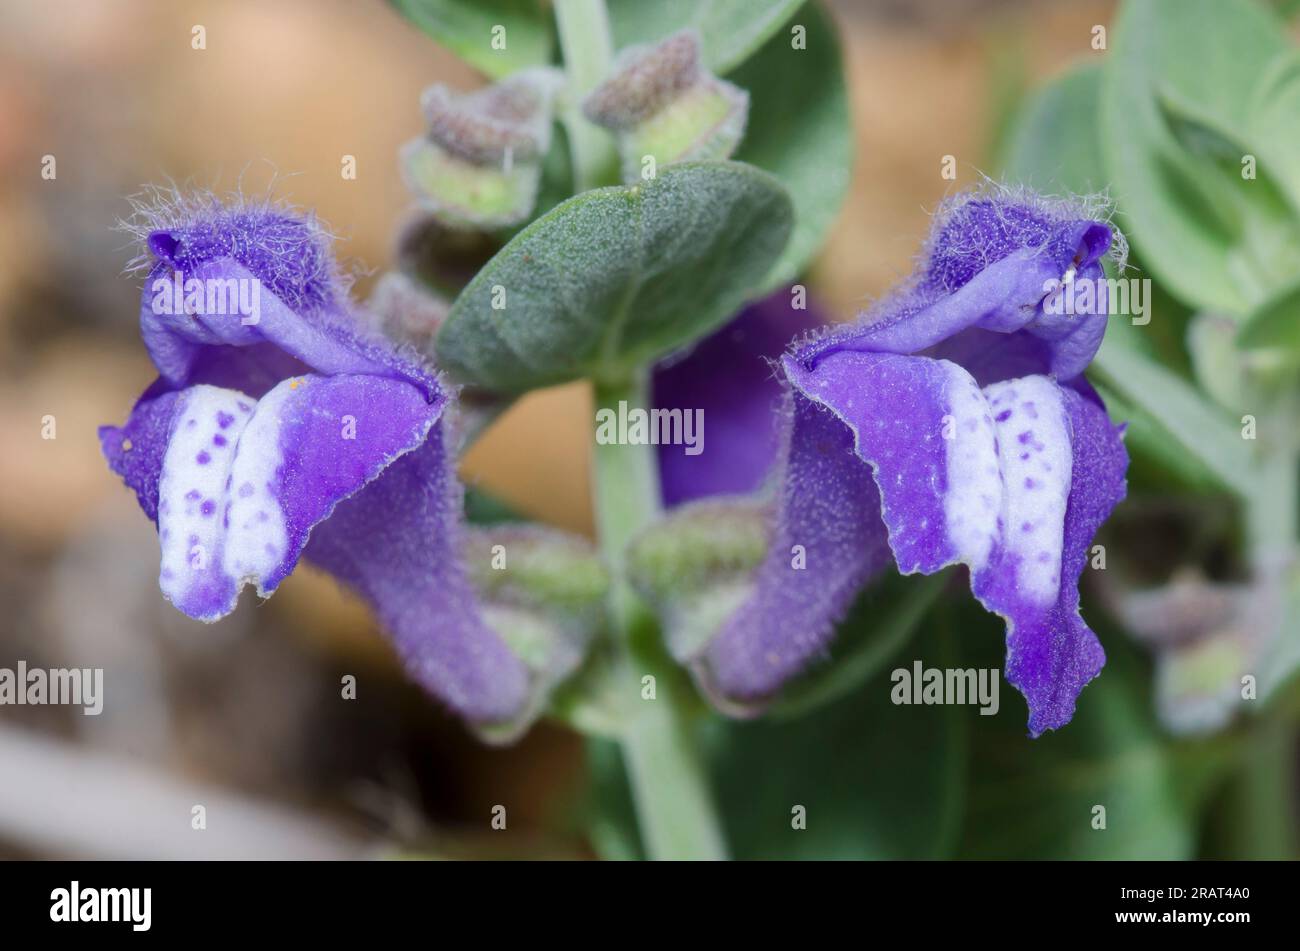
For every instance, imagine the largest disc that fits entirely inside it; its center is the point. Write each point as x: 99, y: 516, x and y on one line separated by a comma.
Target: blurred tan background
x: 249, y: 708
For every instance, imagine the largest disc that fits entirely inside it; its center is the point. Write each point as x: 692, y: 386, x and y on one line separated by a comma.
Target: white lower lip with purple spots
x: 219, y: 522
x: 1008, y: 467
x: 974, y: 498
x: 1033, y: 438
x: 256, y: 537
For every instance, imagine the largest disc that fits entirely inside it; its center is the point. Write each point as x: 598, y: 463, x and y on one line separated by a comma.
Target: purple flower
x: 285, y: 429
x: 951, y: 424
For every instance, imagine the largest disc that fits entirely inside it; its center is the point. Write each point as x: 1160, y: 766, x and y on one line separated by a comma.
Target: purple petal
x: 729, y: 377
x: 397, y: 542
x: 135, y: 450
x: 247, y: 294
x: 990, y: 266
x: 261, y: 348
x: 287, y: 251
x: 826, y: 542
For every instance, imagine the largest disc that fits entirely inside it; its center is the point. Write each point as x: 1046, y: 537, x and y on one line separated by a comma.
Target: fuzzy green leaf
x: 616, y: 277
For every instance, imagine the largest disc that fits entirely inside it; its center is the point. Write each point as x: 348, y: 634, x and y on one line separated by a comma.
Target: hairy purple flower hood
x: 294, y: 431
x: 950, y: 425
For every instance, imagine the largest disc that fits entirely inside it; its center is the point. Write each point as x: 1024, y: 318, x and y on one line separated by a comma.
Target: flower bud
x: 543, y: 593
x: 697, y: 565
x: 663, y: 104
x: 480, y: 164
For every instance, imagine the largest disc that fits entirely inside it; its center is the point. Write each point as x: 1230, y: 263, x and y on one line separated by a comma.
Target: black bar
x: 434, y: 902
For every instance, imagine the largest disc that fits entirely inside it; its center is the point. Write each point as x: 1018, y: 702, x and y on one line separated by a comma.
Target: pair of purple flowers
x: 950, y: 424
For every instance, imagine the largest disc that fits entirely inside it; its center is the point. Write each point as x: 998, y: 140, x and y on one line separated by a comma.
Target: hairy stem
x: 588, y: 52
x: 673, y: 803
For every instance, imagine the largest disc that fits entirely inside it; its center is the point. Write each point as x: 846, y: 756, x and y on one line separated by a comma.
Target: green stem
x: 673, y: 802
x: 1272, y: 512
x: 1264, y: 795
x: 1262, y: 798
x: 588, y: 53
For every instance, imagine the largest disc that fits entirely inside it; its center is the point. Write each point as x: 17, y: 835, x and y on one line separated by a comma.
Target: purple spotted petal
x: 244, y: 481
x: 1052, y: 655
x: 729, y: 377
x: 241, y: 484
x: 988, y: 478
